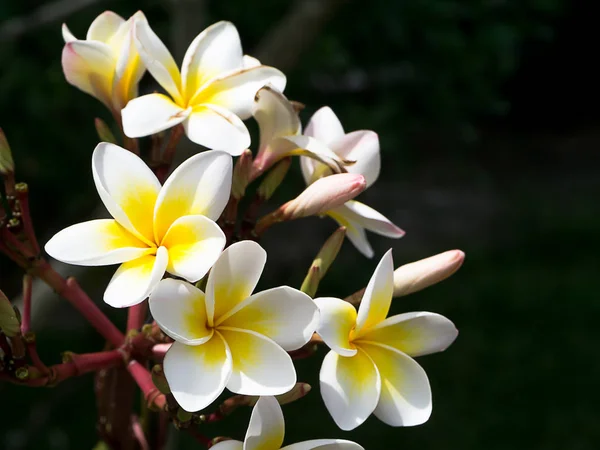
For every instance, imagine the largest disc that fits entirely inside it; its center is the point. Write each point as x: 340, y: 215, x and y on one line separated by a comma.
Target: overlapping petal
x: 180, y: 311
x: 275, y: 116
x: 198, y: 374
x: 217, y: 128
x: 194, y: 244
x: 370, y: 219
x: 104, y: 27
x: 337, y: 320
x: 324, y: 444
x: 405, y: 398
x: 325, y: 126
x: 350, y: 387
x: 151, y: 114
x: 96, y: 243
x: 354, y: 231
x: 233, y: 277
x: 362, y: 147
x: 301, y: 145
x: 266, y: 428
x: 228, y: 445
x: 286, y: 315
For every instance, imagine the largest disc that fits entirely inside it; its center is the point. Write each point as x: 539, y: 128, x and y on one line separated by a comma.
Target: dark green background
x: 487, y: 113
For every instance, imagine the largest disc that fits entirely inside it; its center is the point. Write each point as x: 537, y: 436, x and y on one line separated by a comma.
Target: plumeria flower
x: 370, y: 367
x: 106, y: 64
x: 281, y: 134
x: 154, y: 229
x: 229, y: 338
x: 363, y: 148
x: 267, y: 429
x: 211, y: 95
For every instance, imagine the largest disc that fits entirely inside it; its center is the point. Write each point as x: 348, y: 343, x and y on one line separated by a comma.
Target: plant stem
x: 26, y: 316
x: 22, y: 194
x: 143, y: 378
x: 163, y: 169
x: 136, y: 316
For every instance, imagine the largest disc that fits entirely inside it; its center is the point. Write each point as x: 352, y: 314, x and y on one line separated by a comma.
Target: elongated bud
x: 241, y: 174
x: 273, y: 179
x: 104, y: 132
x: 323, y: 261
x: 323, y: 195
x: 7, y: 164
x: 9, y: 320
x: 420, y: 274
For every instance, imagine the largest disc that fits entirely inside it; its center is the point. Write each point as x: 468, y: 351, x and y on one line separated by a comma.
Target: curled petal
x: 151, y: 114
x: 194, y: 244
x: 324, y: 126
x: 362, y: 147
x: 66, y: 34
x: 266, y: 428
x: 199, y: 186
x: 198, y: 374
x: 355, y: 232
x: 180, y: 311
x: 249, y: 62
x: 104, y: 27
x: 350, y: 387
x: 324, y: 444
x: 337, y: 319
x: 134, y: 280
x: 228, y: 445
x: 275, y: 115
x: 405, y: 393
x: 369, y: 219
x: 96, y: 243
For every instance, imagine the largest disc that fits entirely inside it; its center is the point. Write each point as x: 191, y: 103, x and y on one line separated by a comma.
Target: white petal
x: 158, y: 59
x: 66, y: 34
x: 96, y: 243
x: 324, y: 126
x: 179, y: 309
x: 104, y: 27
x: 199, y: 186
x: 415, y: 333
x: 337, y: 320
x: 377, y: 298
x: 283, y: 314
x: 215, y: 51
x: 354, y: 231
x: 249, y: 62
x: 405, y: 393
x: 266, y: 428
x: 362, y: 147
x: 350, y: 388
x: 236, y: 92
x: 194, y: 244
x: 134, y: 280
x: 324, y: 444
x: 217, y: 128
x: 151, y: 114
x: 370, y: 219
x: 228, y: 445
x: 127, y: 187
x: 233, y: 278
x: 198, y: 374
x: 260, y: 366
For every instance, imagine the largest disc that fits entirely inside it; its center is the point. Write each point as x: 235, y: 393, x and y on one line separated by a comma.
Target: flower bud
x: 420, y: 274
x: 241, y: 174
x: 273, y: 179
x: 323, y: 261
x: 10, y: 324
x: 104, y: 132
x: 7, y: 164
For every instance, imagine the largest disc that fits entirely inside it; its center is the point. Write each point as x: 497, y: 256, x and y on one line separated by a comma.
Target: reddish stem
x: 26, y: 316
x: 199, y: 437
x: 136, y: 316
x: 138, y: 433
x: 143, y: 378
x: 23, y: 197
x: 160, y: 350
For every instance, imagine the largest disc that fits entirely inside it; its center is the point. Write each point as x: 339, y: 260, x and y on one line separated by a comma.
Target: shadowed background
x: 489, y: 126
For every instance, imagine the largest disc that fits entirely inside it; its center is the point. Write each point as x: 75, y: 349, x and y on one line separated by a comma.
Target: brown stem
x: 199, y: 437
x: 22, y: 193
x: 26, y: 316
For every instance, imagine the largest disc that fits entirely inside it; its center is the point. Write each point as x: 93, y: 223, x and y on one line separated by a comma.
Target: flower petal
x: 283, y: 314
x: 179, y: 309
x: 260, y: 366
x: 228, y: 445
x: 89, y: 66
x: 215, y: 51
x: 199, y: 186
x: 217, y: 128
x: 266, y: 428
x: 415, y: 333
x: 405, y: 393
x: 337, y: 319
x: 66, y: 34
x: 233, y: 278
x: 96, y: 243
x: 151, y: 114
x: 275, y: 115
x: 198, y: 374
x: 127, y: 187
x: 324, y: 126
x: 370, y: 219
x: 363, y: 147
x: 324, y: 444
x: 236, y: 92
x: 350, y: 388
x: 158, y: 59
x: 134, y: 280
x: 104, y: 27
x: 249, y: 62
x: 354, y: 231
x: 194, y: 244
x: 377, y: 298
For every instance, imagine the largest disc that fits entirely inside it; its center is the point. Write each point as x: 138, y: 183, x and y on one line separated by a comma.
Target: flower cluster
x: 179, y: 243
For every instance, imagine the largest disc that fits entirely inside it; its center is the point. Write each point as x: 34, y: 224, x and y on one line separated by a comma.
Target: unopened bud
x: 7, y: 164
x: 104, y: 132
x: 323, y: 261
x: 312, y: 280
x: 324, y: 195
x: 10, y: 324
x: 420, y: 274
x: 159, y: 379
x: 241, y: 174
x: 273, y: 179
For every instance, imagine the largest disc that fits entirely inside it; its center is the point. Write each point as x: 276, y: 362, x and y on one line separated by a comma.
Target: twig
x: 143, y: 378
x: 136, y: 316
x: 26, y: 316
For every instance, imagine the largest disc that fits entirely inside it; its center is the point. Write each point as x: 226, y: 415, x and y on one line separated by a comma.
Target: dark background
x: 488, y: 117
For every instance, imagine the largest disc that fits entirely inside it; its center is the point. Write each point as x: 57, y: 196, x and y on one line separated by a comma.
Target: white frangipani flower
x: 267, y: 429
x: 106, y: 64
x: 154, y: 229
x: 362, y: 147
x: 229, y: 338
x: 370, y: 367
x: 211, y: 95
